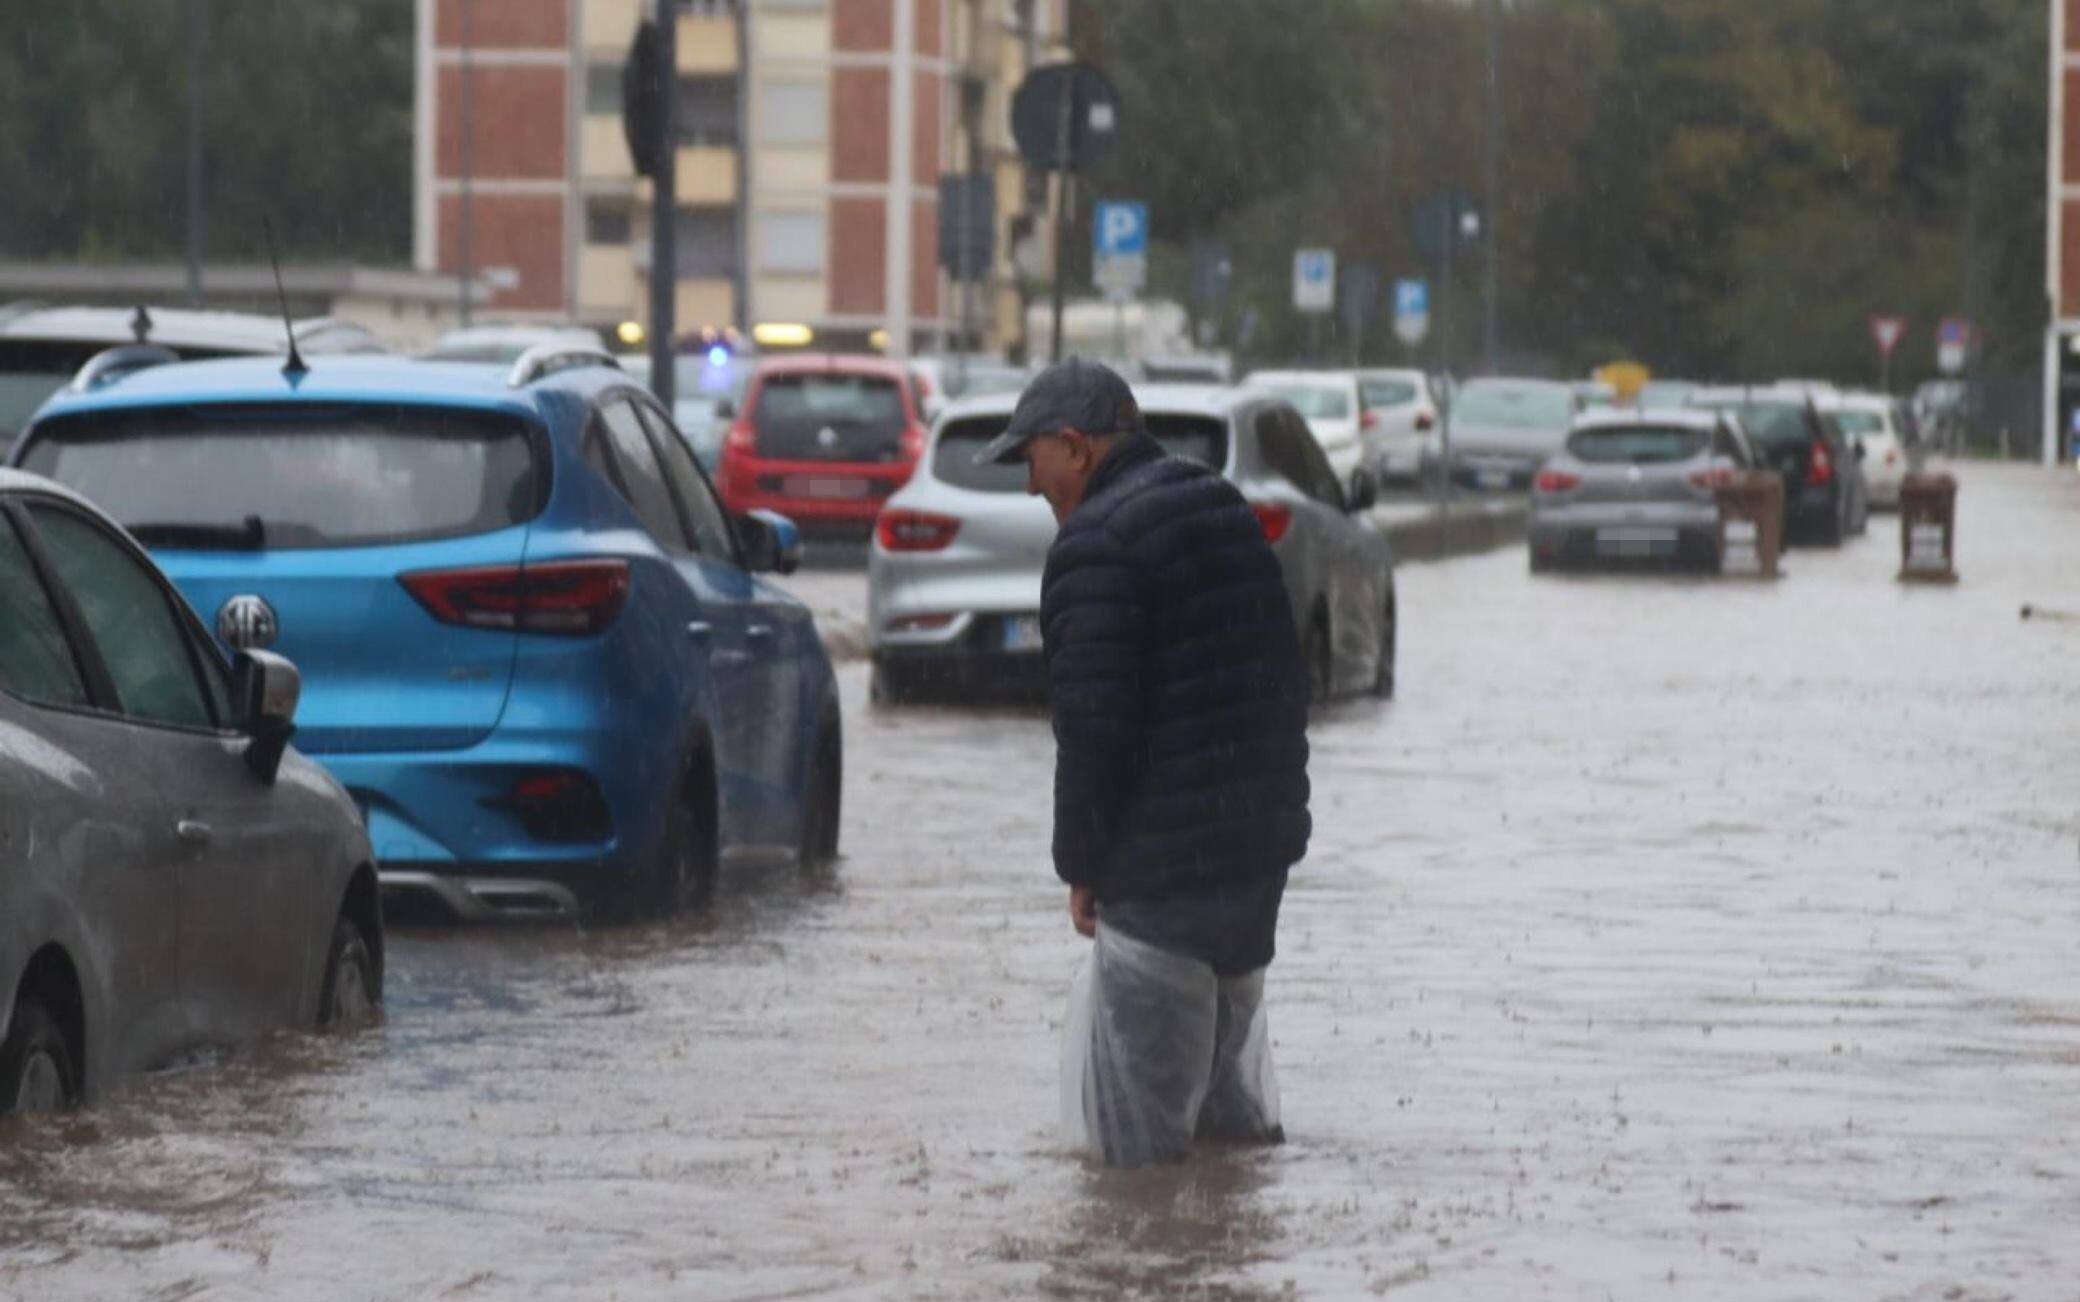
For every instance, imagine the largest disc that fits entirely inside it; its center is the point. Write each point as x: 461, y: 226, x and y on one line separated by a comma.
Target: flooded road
x: 1666, y: 938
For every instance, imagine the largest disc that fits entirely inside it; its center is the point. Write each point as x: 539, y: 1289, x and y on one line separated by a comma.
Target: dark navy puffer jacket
x: 1179, y: 691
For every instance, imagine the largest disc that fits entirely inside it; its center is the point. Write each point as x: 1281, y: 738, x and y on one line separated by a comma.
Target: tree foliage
x: 1717, y: 187
x: 307, y: 124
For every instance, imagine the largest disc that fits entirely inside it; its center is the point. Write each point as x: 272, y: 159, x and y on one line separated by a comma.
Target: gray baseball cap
x: 1071, y: 394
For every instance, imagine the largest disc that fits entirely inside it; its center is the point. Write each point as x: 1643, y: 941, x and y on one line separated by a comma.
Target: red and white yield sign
x: 1886, y: 332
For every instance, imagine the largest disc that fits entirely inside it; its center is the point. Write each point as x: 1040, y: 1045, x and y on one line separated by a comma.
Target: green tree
x: 308, y: 124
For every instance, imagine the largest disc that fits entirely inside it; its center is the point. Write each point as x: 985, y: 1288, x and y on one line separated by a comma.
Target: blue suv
x: 536, y: 650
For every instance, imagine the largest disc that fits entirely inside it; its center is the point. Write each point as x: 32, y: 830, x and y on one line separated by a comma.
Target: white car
x: 1875, y: 422
x: 1405, y: 437
x: 953, y: 578
x: 1334, y: 408
x: 43, y: 348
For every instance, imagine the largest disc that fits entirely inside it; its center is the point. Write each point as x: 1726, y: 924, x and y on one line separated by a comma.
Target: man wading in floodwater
x: 1180, y: 798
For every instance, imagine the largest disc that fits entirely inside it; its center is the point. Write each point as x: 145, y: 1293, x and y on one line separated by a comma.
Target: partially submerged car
x: 173, y: 875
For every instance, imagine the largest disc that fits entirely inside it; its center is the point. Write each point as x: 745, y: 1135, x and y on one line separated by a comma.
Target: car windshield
x: 1383, y: 392
x: 1514, y: 405
x: 1203, y: 439
x: 1638, y: 445
x: 1860, y: 422
x: 801, y: 404
x: 273, y: 477
x: 31, y: 370
x: 1773, y: 423
x: 1314, y: 401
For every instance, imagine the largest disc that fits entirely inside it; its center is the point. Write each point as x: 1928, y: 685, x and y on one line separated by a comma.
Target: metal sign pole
x: 1065, y: 197
x: 1444, y: 363
x: 664, y: 248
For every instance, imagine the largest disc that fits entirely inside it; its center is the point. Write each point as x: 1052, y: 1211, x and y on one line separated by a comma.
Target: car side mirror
x: 266, y: 689
x: 725, y: 410
x: 772, y: 543
x: 1364, y: 491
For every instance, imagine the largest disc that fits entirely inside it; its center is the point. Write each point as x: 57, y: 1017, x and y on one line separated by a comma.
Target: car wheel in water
x: 351, y: 997
x: 1321, y: 668
x: 1383, y: 669
x: 825, y: 797
x: 682, y: 868
x: 37, y: 1071
x: 885, y: 685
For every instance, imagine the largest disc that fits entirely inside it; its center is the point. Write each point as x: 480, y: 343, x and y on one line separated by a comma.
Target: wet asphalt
x: 1666, y: 937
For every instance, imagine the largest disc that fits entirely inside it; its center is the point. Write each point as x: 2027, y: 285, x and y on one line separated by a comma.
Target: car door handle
x: 701, y: 632
x: 759, y: 632
x: 194, y: 831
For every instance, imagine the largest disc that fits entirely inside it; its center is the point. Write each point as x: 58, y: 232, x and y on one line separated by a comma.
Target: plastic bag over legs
x: 1158, y: 1050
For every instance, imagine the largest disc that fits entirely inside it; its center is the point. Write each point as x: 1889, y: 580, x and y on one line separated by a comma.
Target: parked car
x: 43, y: 348
x: 1637, y: 485
x: 172, y: 875
x: 707, y: 389
x: 1662, y: 394
x: 940, y: 380
x: 538, y: 652
x: 953, y: 576
x: 504, y: 344
x: 1405, y: 435
x: 1824, y: 493
x: 825, y: 438
x: 1333, y: 406
x: 1879, y: 423
x: 1591, y: 394
x: 1504, y: 429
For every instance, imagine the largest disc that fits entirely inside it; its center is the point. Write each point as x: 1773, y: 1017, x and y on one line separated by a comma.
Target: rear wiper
x: 249, y: 535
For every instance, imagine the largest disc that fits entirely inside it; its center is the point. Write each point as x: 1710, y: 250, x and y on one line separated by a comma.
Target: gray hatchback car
x: 953, y: 580
x: 1637, y: 485
x: 172, y: 875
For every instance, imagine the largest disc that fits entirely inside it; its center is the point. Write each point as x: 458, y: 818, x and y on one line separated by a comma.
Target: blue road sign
x: 1314, y: 279
x: 1411, y: 298
x: 1121, y: 230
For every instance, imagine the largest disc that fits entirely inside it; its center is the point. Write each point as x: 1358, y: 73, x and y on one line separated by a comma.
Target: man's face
x: 1058, y: 467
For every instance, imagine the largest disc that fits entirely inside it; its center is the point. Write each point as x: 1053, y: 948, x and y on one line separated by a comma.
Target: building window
x: 608, y: 220
x: 707, y: 111
x: 707, y: 243
x: 791, y: 242
x: 793, y: 112
x: 603, y: 88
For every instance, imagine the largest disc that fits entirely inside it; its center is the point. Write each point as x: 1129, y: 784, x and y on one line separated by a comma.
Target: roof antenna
x: 294, y: 367
x: 141, y: 324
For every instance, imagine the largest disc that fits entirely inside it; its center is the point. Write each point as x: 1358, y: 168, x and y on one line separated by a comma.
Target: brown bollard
x: 1751, y: 524
x: 1928, y: 529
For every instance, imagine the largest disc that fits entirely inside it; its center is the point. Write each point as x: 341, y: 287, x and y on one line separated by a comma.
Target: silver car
x: 1637, y: 485
x: 1503, y: 430
x: 953, y: 577
x: 172, y: 875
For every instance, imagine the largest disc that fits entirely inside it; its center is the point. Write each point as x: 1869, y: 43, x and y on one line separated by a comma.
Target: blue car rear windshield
x: 1196, y: 438
x: 303, y: 477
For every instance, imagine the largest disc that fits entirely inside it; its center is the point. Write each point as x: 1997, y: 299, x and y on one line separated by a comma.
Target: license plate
x: 828, y: 487
x: 1022, y: 633
x: 1492, y: 478
x: 1635, y: 541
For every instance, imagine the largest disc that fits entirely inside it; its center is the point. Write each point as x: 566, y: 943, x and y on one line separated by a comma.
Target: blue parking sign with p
x: 1411, y: 298
x: 1122, y: 229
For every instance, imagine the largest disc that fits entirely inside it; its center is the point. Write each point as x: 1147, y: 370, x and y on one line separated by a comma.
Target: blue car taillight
x: 570, y: 598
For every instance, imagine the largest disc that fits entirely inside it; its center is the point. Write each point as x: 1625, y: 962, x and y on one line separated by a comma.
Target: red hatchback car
x: 823, y: 439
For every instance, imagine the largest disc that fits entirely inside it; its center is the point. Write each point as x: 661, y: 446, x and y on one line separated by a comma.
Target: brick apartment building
x: 838, y: 115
